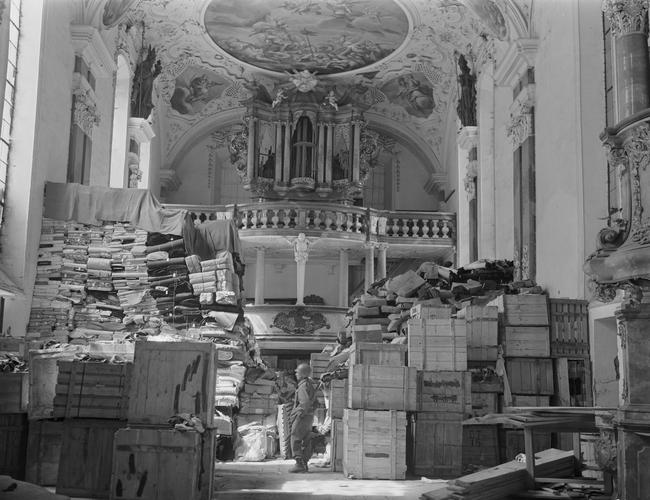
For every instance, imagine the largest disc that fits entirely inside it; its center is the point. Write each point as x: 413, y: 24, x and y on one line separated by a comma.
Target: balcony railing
x: 365, y: 222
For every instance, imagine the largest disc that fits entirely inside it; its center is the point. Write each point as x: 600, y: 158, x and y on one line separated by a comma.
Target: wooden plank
x: 437, y: 444
x: 151, y: 464
x: 437, y: 344
x: 86, y: 457
x: 337, y: 445
x: 374, y: 444
x: 444, y: 391
x: 519, y: 310
x: 426, y: 311
x: 367, y: 336
x: 530, y: 376
x: 562, y: 391
x: 92, y: 390
x: 338, y: 398
x: 170, y: 378
x: 43, y: 452
x: 14, y: 392
x: 365, y: 353
x: 526, y: 341
x: 373, y: 387
x: 13, y: 444
x: 43, y: 374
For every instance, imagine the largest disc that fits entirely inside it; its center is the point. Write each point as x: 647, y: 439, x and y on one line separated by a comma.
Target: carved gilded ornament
x: 368, y: 153
x: 603, y: 292
x: 626, y: 16
x: 521, y: 126
x: 621, y: 331
x: 300, y: 321
x: 469, y: 180
x: 525, y: 263
x: 301, y: 248
x: 238, y: 149
x: 637, y: 147
x: 85, y: 113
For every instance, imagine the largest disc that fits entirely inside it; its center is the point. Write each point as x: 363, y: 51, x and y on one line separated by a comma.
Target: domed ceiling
x: 396, y: 59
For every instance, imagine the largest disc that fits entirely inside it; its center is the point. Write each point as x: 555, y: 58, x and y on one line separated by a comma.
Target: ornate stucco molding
x: 521, y: 124
x: 169, y: 180
x: 626, y: 16
x: 89, y: 45
x: 301, y: 248
x: 469, y: 184
x: 518, y: 57
x: 85, y: 113
x: 637, y: 148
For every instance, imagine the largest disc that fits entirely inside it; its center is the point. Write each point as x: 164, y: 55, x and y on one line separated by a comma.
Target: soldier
x: 302, y: 418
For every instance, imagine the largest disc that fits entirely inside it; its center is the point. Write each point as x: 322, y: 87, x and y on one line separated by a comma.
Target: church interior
x: 437, y: 206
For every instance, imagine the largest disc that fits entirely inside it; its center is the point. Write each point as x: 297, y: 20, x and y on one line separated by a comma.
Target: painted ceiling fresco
x: 396, y: 60
x: 322, y: 36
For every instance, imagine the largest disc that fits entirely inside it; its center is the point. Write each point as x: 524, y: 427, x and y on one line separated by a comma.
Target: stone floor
x: 271, y: 481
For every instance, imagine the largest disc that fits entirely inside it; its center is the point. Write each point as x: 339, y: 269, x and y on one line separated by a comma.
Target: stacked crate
x: 370, y: 319
x: 381, y: 389
x: 481, y: 442
x: 525, y: 336
x: 437, y: 348
x: 168, y: 379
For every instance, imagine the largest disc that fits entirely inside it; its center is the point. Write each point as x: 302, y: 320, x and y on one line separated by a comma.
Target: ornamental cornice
x: 519, y: 128
x: 85, y: 113
x: 89, y: 45
x: 519, y: 56
x: 626, y: 16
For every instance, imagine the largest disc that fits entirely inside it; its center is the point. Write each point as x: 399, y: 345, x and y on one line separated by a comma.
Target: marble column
x: 301, y: 252
x: 278, y: 152
x: 628, y: 20
x: 250, y: 159
x: 344, y: 291
x: 287, y: 152
x: 356, y: 159
x: 467, y: 171
x: 140, y: 131
x: 328, y: 154
x: 381, y: 260
x: 320, y: 162
x: 259, y: 277
x: 370, y: 264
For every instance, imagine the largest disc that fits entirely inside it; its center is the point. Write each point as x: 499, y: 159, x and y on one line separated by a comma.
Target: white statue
x: 304, y: 80
x: 330, y: 100
x: 301, y: 248
x: 279, y: 97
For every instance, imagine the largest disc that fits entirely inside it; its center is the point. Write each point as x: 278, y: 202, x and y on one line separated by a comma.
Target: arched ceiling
x: 394, y: 58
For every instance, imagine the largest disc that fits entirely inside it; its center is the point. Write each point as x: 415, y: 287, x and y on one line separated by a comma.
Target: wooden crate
x: 319, y: 363
x: 92, y: 390
x: 375, y: 387
x: 106, y: 349
x: 482, y: 325
x: 258, y: 404
x: 480, y: 447
x: 365, y: 353
x: 484, y: 403
x: 437, y: 444
x: 437, y: 345
x: 338, y: 398
x: 170, y: 378
x: 528, y: 400
x: 86, y: 457
x: 526, y: 341
x: 569, y: 328
x: 427, y: 311
x: 532, y: 376
x: 43, y: 374
x: 444, y: 391
x: 374, y: 444
x: 13, y: 345
x: 14, y: 392
x: 154, y: 463
x: 337, y: 445
x: 13, y: 444
x: 520, y: 310
x: 512, y: 442
x: 486, y: 381
x: 43, y: 452
x: 375, y: 336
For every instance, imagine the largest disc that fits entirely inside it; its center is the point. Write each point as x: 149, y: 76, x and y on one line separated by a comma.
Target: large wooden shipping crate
x: 154, y: 463
x: 170, y: 378
x: 337, y: 445
x: 526, y: 341
x: 533, y: 376
x: 437, y: 344
x: 319, y: 363
x: 376, y: 387
x: 437, y: 444
x: 86, y: 457
x: 258, y: 404
x: 43, y: 374
x: 444, y: 391
x: 480, y: 447
x: 362, y: 334
x: 484, y: 403
x: 520, y: 310
x: 13, y: 444
x: 366, y: 353
x: 513, y: 442
x: 43, y: 452
x: 92, y: 390
x: 14, y: 392
x: 428, y: 311
x: 482, y: 325
x: 569, y: 328
x: 338, y: 398
x: 374, y: 444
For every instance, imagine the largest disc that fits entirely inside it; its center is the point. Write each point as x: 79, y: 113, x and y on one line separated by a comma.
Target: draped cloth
x: 95, y: 204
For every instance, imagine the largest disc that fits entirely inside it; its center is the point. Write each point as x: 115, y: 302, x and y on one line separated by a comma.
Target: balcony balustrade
x: 349, y: 221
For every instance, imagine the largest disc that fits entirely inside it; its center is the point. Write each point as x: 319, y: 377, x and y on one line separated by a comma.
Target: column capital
x: 259, y: 248
x: 627, y: 16
x: 382, y: 247
x: 370, y: 245
x: 345, y: 250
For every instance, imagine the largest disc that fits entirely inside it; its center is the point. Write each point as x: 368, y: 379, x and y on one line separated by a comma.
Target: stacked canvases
x: 437, y: 348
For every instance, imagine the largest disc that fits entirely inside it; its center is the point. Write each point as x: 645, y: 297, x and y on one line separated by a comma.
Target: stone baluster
x: 328, y: 220
x: 435, y: 229
x: 264, y: 218
x: 395, y: 226
x: 445, y: 229
x: 340, y: 220
x: 254, y: 219
x: 275, y: 219
x: 405, y: 227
